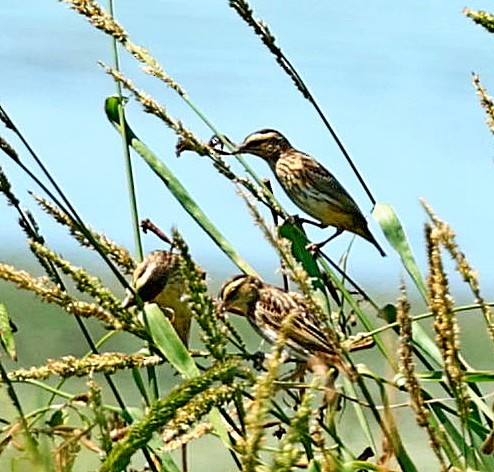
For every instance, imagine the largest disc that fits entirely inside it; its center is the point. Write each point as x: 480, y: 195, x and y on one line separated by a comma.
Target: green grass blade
x: 362, y: 316
x: 112, y: 105
x: 451, y: 433
x: 359, y: 412
x: 6, y: 335
x: 168, y: 342
x: 299, y: 250
x: 396, y: 236
x: 399, y: 449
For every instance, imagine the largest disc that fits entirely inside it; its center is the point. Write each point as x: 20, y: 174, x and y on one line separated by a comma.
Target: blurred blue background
x: 394, y: 79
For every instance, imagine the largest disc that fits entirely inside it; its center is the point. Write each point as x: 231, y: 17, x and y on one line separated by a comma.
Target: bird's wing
x: 326, y: 184
x: 304, y: 333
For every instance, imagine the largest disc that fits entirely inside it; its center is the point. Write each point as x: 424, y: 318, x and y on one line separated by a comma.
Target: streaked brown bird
x: 309, y: 184
x: 266, y: 306
x: 159, y: 279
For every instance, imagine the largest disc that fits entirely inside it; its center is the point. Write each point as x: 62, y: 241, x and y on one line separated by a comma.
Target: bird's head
x: 151, y: 276
x: 266, y: 143
x: 240, y: 294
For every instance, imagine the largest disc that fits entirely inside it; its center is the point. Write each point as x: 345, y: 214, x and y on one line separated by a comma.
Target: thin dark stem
x: 149, y: 459
x: 126, y: 151
x: 347, y: 277
x: 276, y: 219
x: 185, y: 465
x: 32, y: 446
x: 148, y: 225
x: 66, y: 206
x: 261, y: 29
x: 73, y: 215
x: 30, y: 226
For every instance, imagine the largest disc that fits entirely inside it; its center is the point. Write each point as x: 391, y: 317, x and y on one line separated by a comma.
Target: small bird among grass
x: 159, y: 279
x: 309, y: 185
x: 266, y: 306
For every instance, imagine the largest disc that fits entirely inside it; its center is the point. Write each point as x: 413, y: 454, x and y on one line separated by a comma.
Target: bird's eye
x: 232, y: 289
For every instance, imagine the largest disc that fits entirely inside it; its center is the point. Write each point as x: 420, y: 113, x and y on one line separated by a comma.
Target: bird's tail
x: 320, y: 362
x: 379, y: 248
x: 365, y: 233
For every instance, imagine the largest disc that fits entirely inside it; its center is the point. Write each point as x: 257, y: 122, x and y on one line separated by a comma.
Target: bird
x: 266, y: 306
x: 309, y: 185
x: 159, y: 279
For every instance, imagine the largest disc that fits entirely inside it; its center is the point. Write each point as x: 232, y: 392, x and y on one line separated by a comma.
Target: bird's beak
x: 239, y: 149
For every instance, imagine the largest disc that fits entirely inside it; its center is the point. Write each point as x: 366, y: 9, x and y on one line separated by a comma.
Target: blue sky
x: 394, y: 78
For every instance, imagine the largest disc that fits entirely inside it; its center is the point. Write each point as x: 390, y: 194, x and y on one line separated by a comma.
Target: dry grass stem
x: 291, y: 266
x: 407, y: 369
x: 180, y: 430
x: 105, y: 22
x: 51, y: 293
x: 70, y: 366
x: 289, y: 451
x: 98, y: 17
x: 173, y: 439
x: 486, y: 101
x: 214, y: 329
x: 9, y: 150
x: 445, y: 324
x: 262, y: 30
x: 102, y: 20
x: 263, y: 392
x: 447, y: 238
x: 85, y: 283
x: 6, y: 189
x: 188, y: 141
x: 115, y: 252
x: 482, y: 18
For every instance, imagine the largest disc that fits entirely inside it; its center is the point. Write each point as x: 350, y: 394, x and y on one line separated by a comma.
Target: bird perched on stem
x: 309, y: 185
x: 159, y: 279
x: 266, y: 306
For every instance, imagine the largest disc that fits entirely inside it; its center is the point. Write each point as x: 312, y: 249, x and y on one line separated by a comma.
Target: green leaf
x: 6, y: 334
x: 112, y: 105
x: 56, y: 419
x: 388, y: 313
x: 299, y: 241
x: 395, y: 234
x: 469, y: 377
x: 394, y: 437
x: 167, y: 341
x: 362, y: 419
x: 441, y: 420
